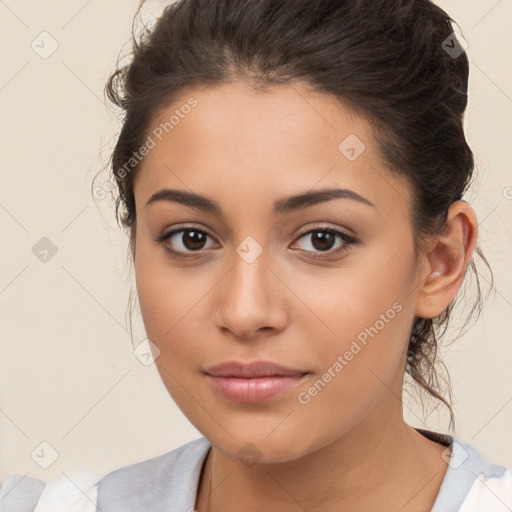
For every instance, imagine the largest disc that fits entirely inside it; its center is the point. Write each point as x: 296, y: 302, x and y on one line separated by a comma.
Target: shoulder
x: 20, y: 493
x: 491, y: 487
x: 473, y: 483
x: 158, y: 468
x: 490, y: 493
x: 147, y: 485
x: 68, y: 493
x: 170, y: 478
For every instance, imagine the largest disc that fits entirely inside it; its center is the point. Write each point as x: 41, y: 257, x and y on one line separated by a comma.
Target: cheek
x: 177, y: 318
x: 168, y: 303
x: 362, y: 315
x: 347, y: 302
x: 166, y: 296
x: 358, y: 363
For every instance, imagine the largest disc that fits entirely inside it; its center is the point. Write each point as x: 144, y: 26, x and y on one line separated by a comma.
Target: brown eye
x: 193, y: 240
x: 184, y: 242
x: 323, y: 240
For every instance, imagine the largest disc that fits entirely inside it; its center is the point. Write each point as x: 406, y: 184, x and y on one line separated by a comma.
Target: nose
x: 251, y: 299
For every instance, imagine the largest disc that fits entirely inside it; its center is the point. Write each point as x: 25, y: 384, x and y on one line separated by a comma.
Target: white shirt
x: 471, y: 484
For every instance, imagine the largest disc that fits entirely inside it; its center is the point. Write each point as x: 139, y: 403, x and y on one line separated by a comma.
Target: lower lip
x: 254, y: 390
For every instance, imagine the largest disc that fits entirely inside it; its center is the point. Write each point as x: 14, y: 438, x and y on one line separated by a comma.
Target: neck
x: 376, y: 465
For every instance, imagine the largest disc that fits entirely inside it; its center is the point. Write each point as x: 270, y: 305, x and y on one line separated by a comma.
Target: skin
x: 349, y: 447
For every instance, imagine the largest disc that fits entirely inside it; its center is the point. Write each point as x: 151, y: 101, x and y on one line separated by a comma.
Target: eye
x: 323, y: 239
x: 183, y: 242
x: 189, y: 241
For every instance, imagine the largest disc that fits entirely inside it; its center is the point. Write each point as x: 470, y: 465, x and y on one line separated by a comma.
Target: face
x: 324, y: 285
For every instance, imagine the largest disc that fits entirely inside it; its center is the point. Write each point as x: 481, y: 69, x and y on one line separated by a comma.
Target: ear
x: 447, y: 257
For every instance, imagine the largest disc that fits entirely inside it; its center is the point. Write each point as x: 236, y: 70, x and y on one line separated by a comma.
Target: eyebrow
x: 281, y: 206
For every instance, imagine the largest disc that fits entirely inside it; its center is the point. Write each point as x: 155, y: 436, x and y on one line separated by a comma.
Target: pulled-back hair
x: 389, y: 59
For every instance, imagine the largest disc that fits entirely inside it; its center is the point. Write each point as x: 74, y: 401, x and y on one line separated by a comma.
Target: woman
x: 291, y: 176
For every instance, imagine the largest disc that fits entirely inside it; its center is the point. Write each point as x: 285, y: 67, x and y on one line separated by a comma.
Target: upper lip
x: 253, y: 369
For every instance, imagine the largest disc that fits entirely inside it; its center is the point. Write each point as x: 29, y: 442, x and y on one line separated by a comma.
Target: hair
x: 385, y: 58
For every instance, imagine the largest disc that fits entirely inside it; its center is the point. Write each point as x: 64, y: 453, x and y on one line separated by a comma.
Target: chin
x: 255, y: 445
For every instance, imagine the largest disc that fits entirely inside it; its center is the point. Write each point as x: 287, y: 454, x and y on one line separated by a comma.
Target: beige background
x: 68, y: 375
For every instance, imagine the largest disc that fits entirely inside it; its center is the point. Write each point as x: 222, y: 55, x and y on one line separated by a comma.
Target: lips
x: 253, y: 382
x: 252, y: 370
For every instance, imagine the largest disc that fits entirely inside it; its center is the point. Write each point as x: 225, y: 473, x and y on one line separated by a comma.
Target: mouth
x: 257, y: 389
x: 252, y: 370
x: 254, y: 382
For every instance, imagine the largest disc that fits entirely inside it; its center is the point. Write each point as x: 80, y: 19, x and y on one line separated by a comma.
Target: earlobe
x: 447, y: 260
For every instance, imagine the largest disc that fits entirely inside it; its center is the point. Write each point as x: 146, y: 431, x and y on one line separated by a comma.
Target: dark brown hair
x: 389, y: 59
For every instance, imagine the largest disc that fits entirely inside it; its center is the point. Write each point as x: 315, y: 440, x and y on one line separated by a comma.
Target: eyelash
x: 347, y: 239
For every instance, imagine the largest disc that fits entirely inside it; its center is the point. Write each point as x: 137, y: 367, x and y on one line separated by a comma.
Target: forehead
x: 281, y: 118
x: 263, y: 143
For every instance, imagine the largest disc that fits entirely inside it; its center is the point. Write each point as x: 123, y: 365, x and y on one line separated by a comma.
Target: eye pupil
x: 193, y: 236
x: 324, y: 238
